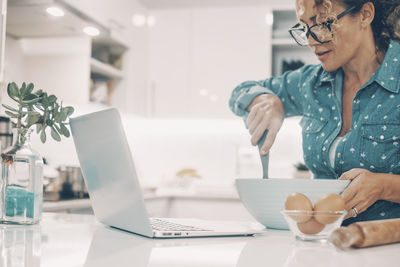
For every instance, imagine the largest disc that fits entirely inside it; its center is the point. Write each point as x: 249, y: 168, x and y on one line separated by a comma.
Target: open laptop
x: 110, y: 176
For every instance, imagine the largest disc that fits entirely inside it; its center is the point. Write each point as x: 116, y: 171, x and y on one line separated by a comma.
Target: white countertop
x: 79, y: 240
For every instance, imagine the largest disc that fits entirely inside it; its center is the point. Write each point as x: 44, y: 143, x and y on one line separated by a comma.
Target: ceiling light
x: 55, y: 11
x: 203, y: 92
x: 139, y: 20
x: 91, y: 31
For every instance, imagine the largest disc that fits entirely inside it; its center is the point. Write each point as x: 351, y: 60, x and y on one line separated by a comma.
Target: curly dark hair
x: 386, y: 23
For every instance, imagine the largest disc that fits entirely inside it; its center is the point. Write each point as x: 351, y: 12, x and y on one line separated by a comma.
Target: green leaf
x: 63, y: 115
x: 29, y: 89
x: 57, y: 128
x: 45, y: 101
x: 12, y: 90
x: 30, y: 97
x: 64, y: 130
x: 33, y: 112
x: 57, y: 117
x: 9, y: 107
x: 39, y: 93
x: 39, y: 106
x: 52, y: 99
x: 32, y: 118
x: 43, y: 136
x: 38, y: 128
x: 69, y: 110
x: 22, y: 89
x: 55, y: 135
x: 29, y: 102
x: 12, y: 115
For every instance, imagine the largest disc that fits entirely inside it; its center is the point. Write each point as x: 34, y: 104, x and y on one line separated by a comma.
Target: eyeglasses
x: 321, y: 32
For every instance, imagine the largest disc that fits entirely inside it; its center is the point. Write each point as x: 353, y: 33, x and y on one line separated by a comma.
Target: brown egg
x: 310, y: 227
x: 298, y: 201
x: 331, y: 202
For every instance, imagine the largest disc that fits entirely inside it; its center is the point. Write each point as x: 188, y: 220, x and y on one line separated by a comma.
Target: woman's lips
x: 323, y: 55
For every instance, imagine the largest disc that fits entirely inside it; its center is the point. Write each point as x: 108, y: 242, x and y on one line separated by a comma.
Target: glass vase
x: 21, y: 181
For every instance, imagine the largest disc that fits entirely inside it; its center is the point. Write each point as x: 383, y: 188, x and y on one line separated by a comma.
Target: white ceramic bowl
x: 265, y: 198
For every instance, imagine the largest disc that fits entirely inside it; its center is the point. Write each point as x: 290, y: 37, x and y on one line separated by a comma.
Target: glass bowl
x: 313, y: 225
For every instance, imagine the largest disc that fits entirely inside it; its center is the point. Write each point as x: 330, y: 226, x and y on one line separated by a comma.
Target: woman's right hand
x: 266, y: 112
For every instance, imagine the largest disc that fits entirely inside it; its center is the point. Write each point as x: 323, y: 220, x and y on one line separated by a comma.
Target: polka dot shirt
x: 373, y: 142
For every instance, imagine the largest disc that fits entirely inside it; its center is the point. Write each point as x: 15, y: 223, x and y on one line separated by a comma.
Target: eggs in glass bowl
x: 313, y: 222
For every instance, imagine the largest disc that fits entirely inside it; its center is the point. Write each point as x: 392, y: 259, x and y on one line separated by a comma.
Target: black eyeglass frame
x: 326, y: 24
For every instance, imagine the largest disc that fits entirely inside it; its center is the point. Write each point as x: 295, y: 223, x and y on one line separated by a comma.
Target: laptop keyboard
x: 162, y: 225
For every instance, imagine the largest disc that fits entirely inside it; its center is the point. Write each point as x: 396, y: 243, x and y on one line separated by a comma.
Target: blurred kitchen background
x: 169, y: 66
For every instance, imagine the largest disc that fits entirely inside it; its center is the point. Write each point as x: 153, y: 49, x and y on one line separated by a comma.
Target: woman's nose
x: 311, y: 41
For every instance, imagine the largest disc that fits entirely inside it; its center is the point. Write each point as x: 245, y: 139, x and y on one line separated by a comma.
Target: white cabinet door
x: 169, y: 66
x: 229, y: 46
x: 197, y: 56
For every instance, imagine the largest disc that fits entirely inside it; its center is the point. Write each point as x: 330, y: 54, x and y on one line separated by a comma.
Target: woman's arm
x: 391, y: 187
x: 286, y: 87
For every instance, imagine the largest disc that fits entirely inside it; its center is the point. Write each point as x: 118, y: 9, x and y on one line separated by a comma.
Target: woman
x: 350, y: 103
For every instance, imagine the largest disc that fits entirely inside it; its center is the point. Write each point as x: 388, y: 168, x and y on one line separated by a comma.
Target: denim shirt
x: 373, y: 143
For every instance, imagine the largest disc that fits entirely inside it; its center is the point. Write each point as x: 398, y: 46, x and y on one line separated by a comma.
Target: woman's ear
x: 367, y: 14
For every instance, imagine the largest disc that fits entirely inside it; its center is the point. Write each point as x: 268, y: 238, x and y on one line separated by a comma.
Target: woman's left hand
x: 364, y: 190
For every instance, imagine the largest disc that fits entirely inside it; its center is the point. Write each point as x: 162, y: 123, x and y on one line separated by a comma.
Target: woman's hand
x: 364, y: 190
x: 266, y: 113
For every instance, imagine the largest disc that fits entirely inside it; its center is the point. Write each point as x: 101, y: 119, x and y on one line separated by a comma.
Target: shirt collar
x: 388, y: 73
x: 326, y: 76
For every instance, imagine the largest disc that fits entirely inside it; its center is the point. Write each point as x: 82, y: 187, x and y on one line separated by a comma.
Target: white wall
x: 13, y: 61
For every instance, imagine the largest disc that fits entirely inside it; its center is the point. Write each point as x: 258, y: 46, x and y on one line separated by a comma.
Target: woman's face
x: 347, y: 34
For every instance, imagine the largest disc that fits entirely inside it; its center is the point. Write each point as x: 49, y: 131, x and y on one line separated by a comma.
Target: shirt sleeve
x: 287, y: 87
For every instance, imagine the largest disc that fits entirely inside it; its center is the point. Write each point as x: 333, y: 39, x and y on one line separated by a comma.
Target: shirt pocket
x: 312, y: 131
x: 380, y: 146
x: 311, y: 125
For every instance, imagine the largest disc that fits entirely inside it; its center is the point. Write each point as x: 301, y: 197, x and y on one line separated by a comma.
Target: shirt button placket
x: 338, y: 122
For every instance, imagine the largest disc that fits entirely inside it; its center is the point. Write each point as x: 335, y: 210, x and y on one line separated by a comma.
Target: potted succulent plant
x: 22, y: 168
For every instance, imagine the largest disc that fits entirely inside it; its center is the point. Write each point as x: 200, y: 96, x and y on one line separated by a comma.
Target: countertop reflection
x: 79, y: 240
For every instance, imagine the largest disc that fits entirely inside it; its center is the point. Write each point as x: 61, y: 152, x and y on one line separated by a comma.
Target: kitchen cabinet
x: 106, y: 69
x: 109, y: 48
x: 28, y: 23
x: 198, y: 55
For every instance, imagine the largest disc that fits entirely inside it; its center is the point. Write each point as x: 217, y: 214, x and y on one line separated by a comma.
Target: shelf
x: 104, y: 69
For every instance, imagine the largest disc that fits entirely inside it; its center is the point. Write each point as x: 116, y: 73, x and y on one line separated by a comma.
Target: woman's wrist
x: 256, y: 100
x: 265, y: 98
x: 390, y: 187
